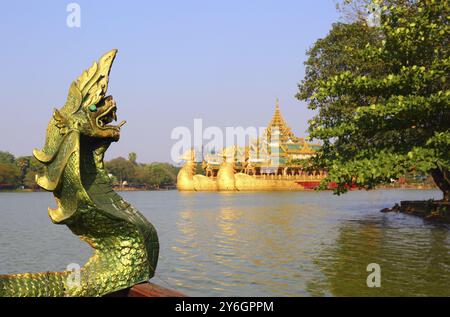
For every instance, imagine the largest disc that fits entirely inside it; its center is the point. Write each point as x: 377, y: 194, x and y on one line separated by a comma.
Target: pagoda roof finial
x: 279, y: 123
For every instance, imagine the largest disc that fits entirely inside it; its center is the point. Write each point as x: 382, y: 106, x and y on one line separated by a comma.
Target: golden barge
x: 272, y: 162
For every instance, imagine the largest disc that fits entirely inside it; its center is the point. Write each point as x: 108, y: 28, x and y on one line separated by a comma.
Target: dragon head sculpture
x: 87, y: 113
x: 77, y: 137
x: 125, y: 243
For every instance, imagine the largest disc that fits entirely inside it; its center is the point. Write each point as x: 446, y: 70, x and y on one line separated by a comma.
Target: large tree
x: 382, y: 100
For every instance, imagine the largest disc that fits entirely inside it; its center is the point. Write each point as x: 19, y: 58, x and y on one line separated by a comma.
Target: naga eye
x: 92, y: 108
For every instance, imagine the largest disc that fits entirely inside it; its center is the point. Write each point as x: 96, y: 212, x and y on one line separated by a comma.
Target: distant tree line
x: 20, y: 172
x: 133, y: 174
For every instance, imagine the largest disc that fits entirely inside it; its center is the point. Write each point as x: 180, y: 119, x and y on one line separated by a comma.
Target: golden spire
x: 279, y: 123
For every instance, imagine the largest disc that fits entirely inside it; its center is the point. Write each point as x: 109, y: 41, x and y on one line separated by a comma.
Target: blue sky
x: 223, y: 61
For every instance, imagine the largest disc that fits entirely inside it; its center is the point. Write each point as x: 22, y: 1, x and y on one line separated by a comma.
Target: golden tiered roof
x: 279, y: 123
x: 289, y: 146
x: 277, y: 147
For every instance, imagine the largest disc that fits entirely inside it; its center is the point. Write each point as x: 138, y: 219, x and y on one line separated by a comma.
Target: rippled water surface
x: 255, y: 244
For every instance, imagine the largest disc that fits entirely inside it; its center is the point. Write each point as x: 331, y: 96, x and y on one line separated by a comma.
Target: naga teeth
x: 107, y: 117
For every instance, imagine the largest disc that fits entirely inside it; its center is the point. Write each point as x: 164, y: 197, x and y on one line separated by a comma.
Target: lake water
x: 255, y: 244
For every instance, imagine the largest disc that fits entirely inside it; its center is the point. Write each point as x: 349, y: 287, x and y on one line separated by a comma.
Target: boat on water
x: 274, y: 161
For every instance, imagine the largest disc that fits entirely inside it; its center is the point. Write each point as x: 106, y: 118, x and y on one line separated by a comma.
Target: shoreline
x: 133, y: 189
x: 28, y: 190
x: 430, y: 210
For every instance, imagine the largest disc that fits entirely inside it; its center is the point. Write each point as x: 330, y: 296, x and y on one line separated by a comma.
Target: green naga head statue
x: 125, y: 244
x: 87, y: 112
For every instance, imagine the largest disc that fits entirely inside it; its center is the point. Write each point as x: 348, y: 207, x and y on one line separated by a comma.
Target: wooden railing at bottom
x: 146, y: 290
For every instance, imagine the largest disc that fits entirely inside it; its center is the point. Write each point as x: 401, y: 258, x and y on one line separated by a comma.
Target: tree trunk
x: 442, y: 179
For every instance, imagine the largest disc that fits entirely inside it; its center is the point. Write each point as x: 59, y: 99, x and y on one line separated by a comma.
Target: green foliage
x: 132, y: 157
x: 164, y: 173
x: 9, y: 174
x: 33, y: 168
x: 157, y: 174
x: 22, y: 172
x: 152, y: 175
x: 121, y: 168
x: 382, y: 95
x: 355, y: 10
x: 9, y: 171
x: 6, y: 157
x: 18, y: 172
